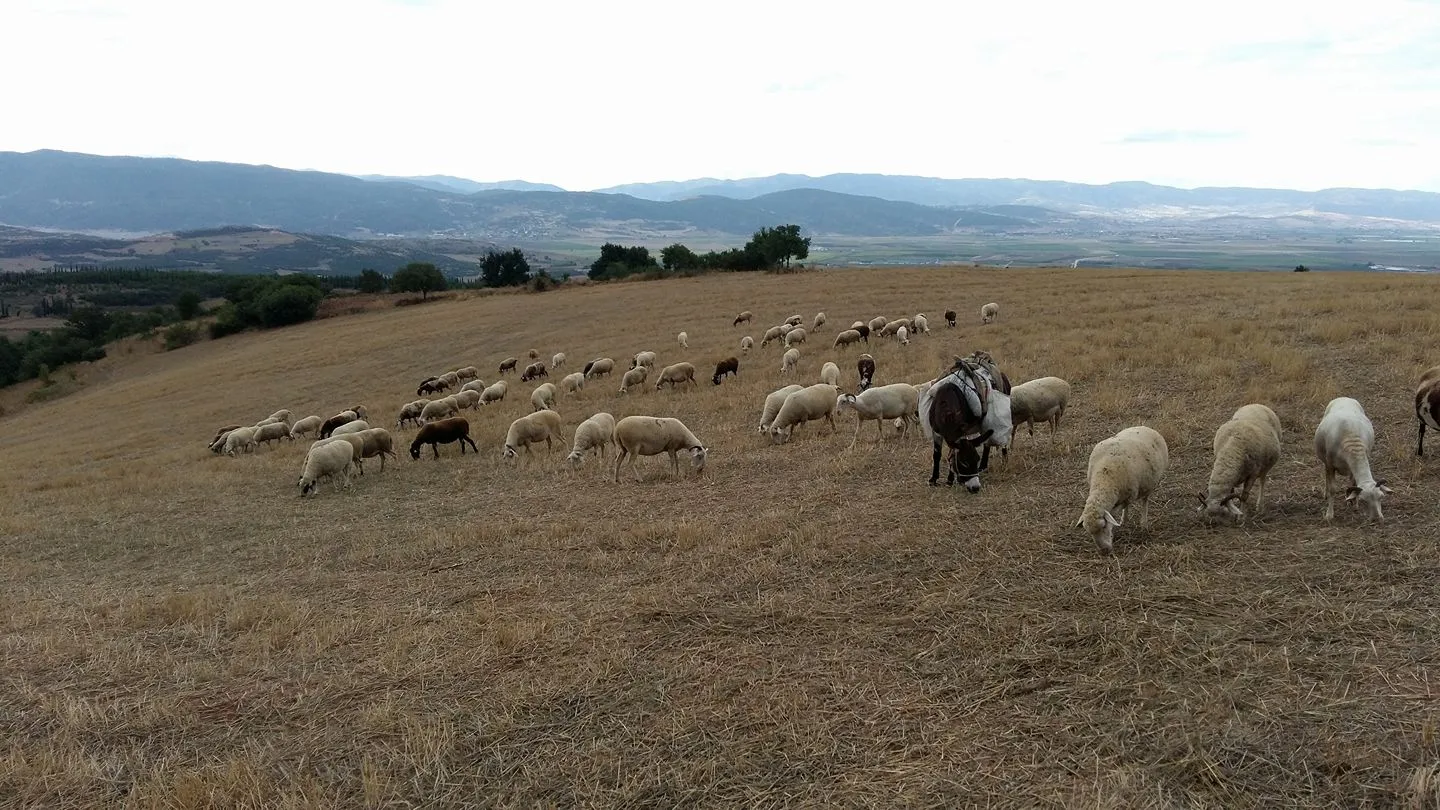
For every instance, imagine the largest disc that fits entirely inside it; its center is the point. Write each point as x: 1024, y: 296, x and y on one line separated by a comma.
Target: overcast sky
x: 589, y: 94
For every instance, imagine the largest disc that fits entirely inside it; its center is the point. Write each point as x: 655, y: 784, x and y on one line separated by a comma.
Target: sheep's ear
x: 1228, y: 498
x: 1080, y: 521
x: 1384, y: 490
x: 1351, y: 492
x: 1110, y: 519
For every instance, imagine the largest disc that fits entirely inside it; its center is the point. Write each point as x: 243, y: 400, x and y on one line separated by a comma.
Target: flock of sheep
x: 1124, y: 470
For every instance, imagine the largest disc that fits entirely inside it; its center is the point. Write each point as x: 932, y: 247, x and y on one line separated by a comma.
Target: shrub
x: 180, y: 335
x: 288, y: 304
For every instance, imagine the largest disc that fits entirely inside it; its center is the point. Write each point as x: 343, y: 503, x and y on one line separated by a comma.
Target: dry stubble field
x: 802, y: 625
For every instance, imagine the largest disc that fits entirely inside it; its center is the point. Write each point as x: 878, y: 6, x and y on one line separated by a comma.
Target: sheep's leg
x: 619, y: 459
x: 879, y: 429
x: 435, y: 448
x: 831, y: 419
x: 1420, y: 442
x: 633, y: 466
x: 935, y: 464
x: 1259, y: 493
x: 1144, y: 511
x: 858, y: 424
x: 674, y: 465
x: 1329, y: 495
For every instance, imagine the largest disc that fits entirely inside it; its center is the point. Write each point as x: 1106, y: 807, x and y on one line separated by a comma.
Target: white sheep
x: 652, y: 435
x: 818, y: 322
x: 1041, y: 400
x: 599, y: 368
x: 367, y: 443
x: 794, y: 320
x: 592, y: 434
x: 354, y: 426
x: 790, y: 362
x: 1343, y: 441
x: 495, y: 392
x: 306, y: 426
x: 273, y: 432
x: 242, y: 439
x: 772, y: 334
x: 451, y: 379
x: 773, y: 403
x: 326, y: 459
x: 477, y: 385
x: 849, y: 337
x: 903, y: 335
x: 989, y: 312
x: 743, y: 317
x: 898, y: 401
x: 684, y: 340
x: 543, y: 397
x: 573, y: 382
x: 806, y: 405
x: 745, y: 344
x: 795, y: 337
x: 676, y: 374
x: 830, y: 374
x: 467, y: 373
x: 787, y: 328
x: 856, y: 325
x: 922, y: 324
x: 557, y: 360
x: 1246, y: 447
x: 877, y: 323
x: 1124, y: 469
x: 438, y: 409
x: 633, y: 377
x: 646, y: 359
x: 466, y: 399
x: 533, y: 428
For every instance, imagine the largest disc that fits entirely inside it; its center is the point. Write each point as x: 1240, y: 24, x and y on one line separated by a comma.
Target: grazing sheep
x: 830, y: 374
x: 329, y: 425
x: 273, y: 432
x: 1124, y: 469
x: 877, y: 323
x: 646, y: 359
x: 773, y: 403
x: 730, y: 365
x: 864, y: 331
x: 326, y: 459
x: 898, y: 401
x: 242, y: 439
x: 466, y: 399
x: 467, y: 373
x: 477, y: 385
x: 865, y: 367
x: 743, y: 317
x: 359, y: 411
x: 1343, y: 441
x: 892, y: 328
x: 849, y: 337
x: 771, y: 334
x: 795, y: 337
x: 633, y: 377
x: 543, y: 397
x: 493, y: 393
x: 439, y: 409
x: 989, y: 312
x: 533, y: 354
x: 534, y: 371
x: 921, y: 323
x: 818, y: 322
x: 441, y: 432
x: 378, y: 442
x: 1246, y: 447
x: 592, y: 434
x: 684, y: 340
x: 652, y: 435
x: 220, y: 435
x: 1041, y: 400
x: 794, y: 320
x: 599, y: 368
x: 806, y: 405
x: 508, y: 364
x: 676, y: 374
x: 1427, y: 405
x: 787, y: 328
x: 745, y: 344
x: 903, y: 335
x: 950, y: 317
x: 533, y: 428
x: 431, y: 385
x: 411, y: 412
x: 573, y: 382
x: 790, y: 362
x: 306, y: 426
x: 557, y: 360
x: 451, y: 379
x: 353, y: 426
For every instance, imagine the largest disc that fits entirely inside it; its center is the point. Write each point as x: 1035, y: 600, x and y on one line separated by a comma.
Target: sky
x: 1270, y: 93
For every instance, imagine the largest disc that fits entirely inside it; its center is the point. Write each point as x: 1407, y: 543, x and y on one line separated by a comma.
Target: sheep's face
x: 575, y: 458
x: 1101, y: 529
x: 697, y: 459
x: 1227, y: 508
x: 779, y: 435
x: 844, y: 402
x: 1369, y: 496
x: 307, y: 486
x: 509, y: 452
x: 415, y: 452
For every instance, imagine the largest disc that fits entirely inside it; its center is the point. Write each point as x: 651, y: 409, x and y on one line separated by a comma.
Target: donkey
x: 969, y: 409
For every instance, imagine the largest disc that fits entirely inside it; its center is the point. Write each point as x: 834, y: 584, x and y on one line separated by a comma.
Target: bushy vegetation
x: 768, y: 249
x: 268, y: 302
x: 81, y: 339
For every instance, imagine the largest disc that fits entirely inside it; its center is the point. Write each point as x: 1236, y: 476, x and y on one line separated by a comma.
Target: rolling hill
x: 445, y: 182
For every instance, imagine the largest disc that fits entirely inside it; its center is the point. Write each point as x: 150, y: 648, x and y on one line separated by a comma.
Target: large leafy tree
x: 780, y: 245
x: 371, y: 282
x: 421, y: 277
x: 679, y: 257
x: 507, y: 269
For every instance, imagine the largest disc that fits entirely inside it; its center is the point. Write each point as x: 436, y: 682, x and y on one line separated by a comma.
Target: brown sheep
x: 729, y: 365
x: 508, y: 364
x: 434, y: 385
x: 950, y: 318
x: 443, y: 431
x: 1427, y: 405
x: 534, y: 371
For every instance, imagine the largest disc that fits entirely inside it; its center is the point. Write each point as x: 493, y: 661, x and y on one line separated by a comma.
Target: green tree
x: 779, y: 245
x: 89, y: 323
x: 371, y: 282
x: 507, y: 269
x: 187, y: 304
x: 287, y: 304
x: 678, y: 257
x: 618, y: 261
x: 421, y: 277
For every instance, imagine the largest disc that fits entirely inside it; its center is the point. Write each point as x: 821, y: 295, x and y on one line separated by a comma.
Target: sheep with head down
x: 543, y: 397
x: 533, y: 428
x: 806, y: 405
x: 652, y: 435
x: 326, y: 460
x: 306, y: 426
x: 773, y: 401
x: 592, y: 435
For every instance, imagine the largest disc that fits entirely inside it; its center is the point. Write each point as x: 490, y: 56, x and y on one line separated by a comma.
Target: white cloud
x: 1283, y: 93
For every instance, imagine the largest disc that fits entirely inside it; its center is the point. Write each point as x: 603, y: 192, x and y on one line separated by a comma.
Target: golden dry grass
x: 803, y: 625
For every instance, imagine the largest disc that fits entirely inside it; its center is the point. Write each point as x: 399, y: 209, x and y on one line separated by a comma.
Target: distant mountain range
x: 134, y: 196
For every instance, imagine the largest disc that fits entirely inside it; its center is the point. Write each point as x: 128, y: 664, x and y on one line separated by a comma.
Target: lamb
x: 467, y: 373
x: 441, y: 432
x: 745, y: 344
x: 633, y: 377
x: 922, y: 323
x: 849, y: 337
x: 830, y: 374
x: 439, y: 409
x: 676, y: 374
x: 543, y: 397
x: 1427, y: 405
x: 771, y: 334
x: 950, y: 318
x: 600, y: 368
x: 898, y: 401
x: 903, y: 335
x: 794, y: 320
x: 306, y: 426
x: 326, y: 459
x: 534, y: 371
x: 795, y: 337
x: 557, y: 360
x: 508, y: 364
x: 790, y: 361
x: 818, y: 322
x: 806, y: 405
x: 573, y: 382
x: 743, y: 317
x: 242, y: 439
x: 684, y: 340
x: 592, y: 434
x: 495, y: 392
x: 411, y: 412
x: 729, y: 365
x: 1343, y: 441
x: 1246, y: 448
x: 540, y: 426
x: 989, y: 312
x: 273, y: 432
x: 1124, y: 469
x: 1041, y: 400
x: 353, y: 426
x: 650, y: 436
x: 865, y: 367
x: 646, y: 359
x: 773, y: 403
x: 877, y: 323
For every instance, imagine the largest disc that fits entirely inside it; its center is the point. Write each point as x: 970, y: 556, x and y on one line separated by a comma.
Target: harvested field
x: 801, y: 625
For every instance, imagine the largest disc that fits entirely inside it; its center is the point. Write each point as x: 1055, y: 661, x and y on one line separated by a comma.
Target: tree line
x: 768, y: 249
